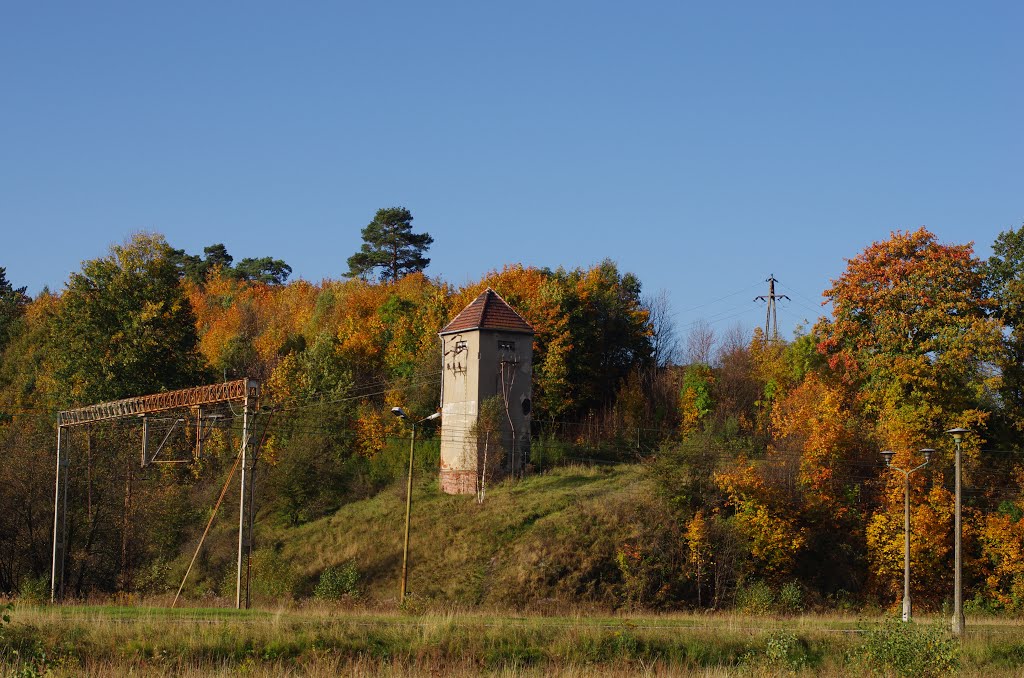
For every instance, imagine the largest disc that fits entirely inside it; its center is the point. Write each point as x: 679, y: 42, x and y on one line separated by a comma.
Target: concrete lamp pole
x: 888, y: 454
x: 958, y: 596
x: 398, y: 412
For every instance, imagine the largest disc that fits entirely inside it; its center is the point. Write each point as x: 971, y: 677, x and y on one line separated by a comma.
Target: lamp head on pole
x: 927, y: 452
x: 398, y: 412
x: 435, y: 415
x: 958, y: 433
x: 887, y: 455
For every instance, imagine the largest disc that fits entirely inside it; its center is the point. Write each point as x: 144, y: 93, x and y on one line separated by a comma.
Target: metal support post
x: 243, y: 513
x: 248, y: 540
x: 145, y: 440
x: 197, y: 452
x: 60, y: 504
x: 888, y: 455
x: 906, y: 547
x: 958, y: 599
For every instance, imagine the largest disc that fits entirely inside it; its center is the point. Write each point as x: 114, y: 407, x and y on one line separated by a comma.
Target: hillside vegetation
x: 743, y: 468
x: 548, y: 538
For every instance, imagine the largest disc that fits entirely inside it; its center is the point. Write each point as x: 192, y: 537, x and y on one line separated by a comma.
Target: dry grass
x: 101, y: 641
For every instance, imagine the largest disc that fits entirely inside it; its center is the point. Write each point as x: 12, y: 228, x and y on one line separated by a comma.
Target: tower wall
x: 480, y: 364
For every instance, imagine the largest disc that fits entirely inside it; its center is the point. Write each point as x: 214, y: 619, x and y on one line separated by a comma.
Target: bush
x: 272, y: 575
x: 5, y: 618
x: 790, y: 599
x: 755, y: 597
x: 156, y: 578
x: 783, y: 650
x: 338, y: 582
x: 34, y: 590
x: 906, y: 649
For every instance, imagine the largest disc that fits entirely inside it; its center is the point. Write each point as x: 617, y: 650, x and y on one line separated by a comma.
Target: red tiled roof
x: 488, y: 312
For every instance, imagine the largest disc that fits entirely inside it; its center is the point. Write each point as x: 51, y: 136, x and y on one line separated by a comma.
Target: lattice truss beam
x: 245, y: 391
x: 229, y: 391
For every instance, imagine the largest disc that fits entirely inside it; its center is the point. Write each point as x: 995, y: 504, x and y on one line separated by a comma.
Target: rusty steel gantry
x: 246, y: 391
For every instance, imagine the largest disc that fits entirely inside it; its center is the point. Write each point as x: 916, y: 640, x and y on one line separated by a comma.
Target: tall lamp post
x: 398, y: 412
x: 888, y: 454
x: 958, y: 597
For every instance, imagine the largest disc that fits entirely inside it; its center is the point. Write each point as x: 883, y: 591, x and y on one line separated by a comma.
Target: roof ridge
x: 488, y: 311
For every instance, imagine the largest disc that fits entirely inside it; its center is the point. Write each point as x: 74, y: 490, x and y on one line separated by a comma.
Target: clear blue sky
x: 701, y: 146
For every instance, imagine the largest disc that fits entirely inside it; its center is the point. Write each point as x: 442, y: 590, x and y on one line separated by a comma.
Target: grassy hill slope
x: 551, y: 539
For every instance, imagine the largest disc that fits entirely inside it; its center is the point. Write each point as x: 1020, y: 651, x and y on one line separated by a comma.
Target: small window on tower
x: 460, y: 346
x: 507, y: 346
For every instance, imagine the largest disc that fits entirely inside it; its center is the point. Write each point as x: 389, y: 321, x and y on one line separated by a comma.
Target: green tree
x: 12, y: 305
x: 390, y: 245
x: 1004, y: 278
x: 264, y: 269
x: 124, y: 326
x: 217, y: 255
x: 198, y: 269
x: 609, y: 332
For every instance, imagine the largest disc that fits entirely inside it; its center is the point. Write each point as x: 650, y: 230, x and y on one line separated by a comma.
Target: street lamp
x: 888, y: 454
x: 958, y: 598
x: 398, y: 412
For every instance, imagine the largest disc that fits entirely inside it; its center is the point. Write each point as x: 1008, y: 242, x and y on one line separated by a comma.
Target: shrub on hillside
x: 338, y: 582
x: 272, y: 575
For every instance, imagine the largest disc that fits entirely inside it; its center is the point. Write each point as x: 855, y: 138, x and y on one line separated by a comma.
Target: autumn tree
x: 816, y: 428
x: 700, y: 550
x: 912, y: 333
x: 390, y: 245
x: 737, y: 389
x: 911, y: 326
x: 592, y: 330
x: 766, y: 512
x: 695, y: 399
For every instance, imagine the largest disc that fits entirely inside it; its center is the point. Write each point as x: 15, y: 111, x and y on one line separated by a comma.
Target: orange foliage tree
x: 911, y: 331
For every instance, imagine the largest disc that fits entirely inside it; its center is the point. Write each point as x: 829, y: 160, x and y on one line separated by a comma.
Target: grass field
x: 473, y: 566
x: 78, y: 640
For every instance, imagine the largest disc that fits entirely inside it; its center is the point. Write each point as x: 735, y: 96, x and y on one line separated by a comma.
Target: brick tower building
x: 487, y: 353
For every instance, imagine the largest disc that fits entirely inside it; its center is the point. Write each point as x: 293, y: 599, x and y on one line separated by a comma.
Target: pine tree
x: 390, y: 245
x: 13, y: 301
